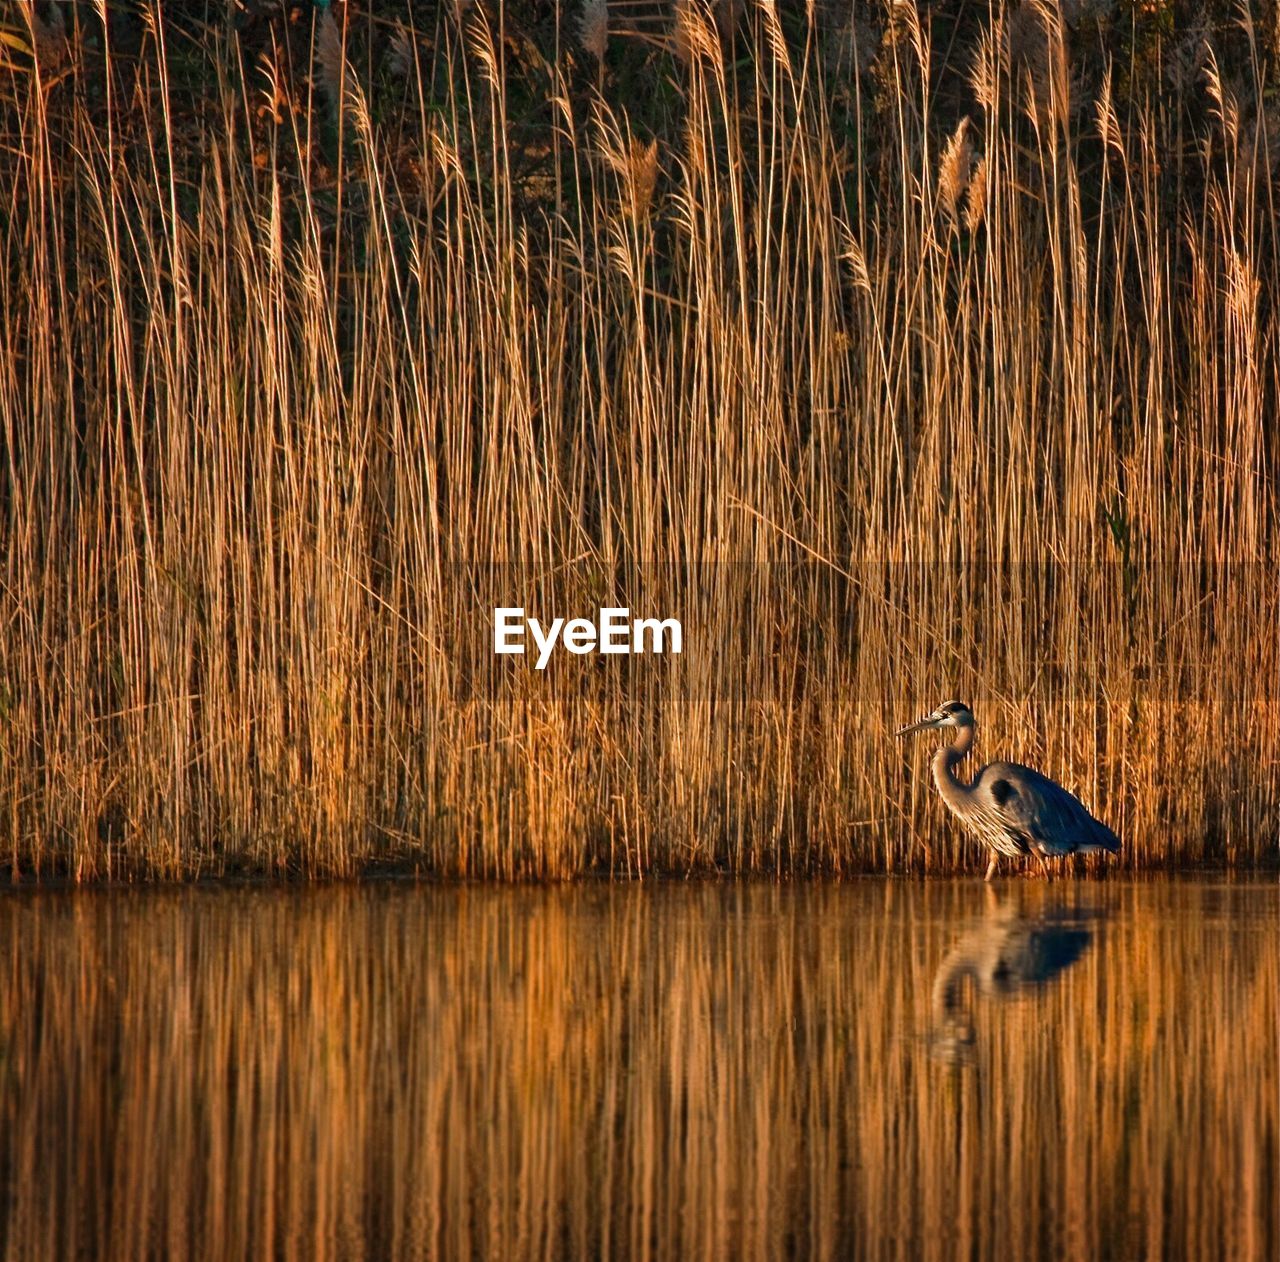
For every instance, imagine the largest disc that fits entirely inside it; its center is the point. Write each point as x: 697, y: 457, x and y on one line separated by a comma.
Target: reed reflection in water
x: 679, y: 1071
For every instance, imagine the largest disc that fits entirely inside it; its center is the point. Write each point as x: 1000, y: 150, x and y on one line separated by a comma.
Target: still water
x: 671, y: 1071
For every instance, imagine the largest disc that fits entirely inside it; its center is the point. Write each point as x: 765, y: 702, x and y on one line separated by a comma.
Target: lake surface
x: 671, y: 1071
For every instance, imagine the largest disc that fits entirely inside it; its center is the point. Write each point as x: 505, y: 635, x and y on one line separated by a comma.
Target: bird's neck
x: 952, y: 789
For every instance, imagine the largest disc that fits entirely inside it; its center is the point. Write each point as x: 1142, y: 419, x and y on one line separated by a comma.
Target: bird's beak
x: 923, y: 725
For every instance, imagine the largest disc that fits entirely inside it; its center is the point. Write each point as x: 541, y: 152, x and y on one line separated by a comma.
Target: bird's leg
x: 1044, y: 866
x: 991, y: 868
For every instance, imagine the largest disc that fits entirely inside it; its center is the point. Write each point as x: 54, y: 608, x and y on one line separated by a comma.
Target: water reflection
x: 603, y: 1072
x: 1009, y: 952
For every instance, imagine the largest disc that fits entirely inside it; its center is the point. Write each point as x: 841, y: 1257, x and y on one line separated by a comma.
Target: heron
x: 1011, y: 809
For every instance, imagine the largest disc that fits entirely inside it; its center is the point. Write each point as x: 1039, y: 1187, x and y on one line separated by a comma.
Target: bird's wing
x: 1034, y: 808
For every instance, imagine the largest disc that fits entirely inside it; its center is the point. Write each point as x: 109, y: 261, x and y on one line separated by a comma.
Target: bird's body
x: 1011, y: 809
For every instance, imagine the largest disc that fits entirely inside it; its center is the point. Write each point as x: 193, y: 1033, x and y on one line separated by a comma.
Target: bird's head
x: 948, y: 714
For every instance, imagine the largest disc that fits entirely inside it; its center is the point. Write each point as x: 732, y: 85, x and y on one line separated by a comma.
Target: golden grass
x: 737, y: 1071
x: 883, y: 411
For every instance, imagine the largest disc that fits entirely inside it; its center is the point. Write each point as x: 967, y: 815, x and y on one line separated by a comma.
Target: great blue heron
x: 1012, y: 810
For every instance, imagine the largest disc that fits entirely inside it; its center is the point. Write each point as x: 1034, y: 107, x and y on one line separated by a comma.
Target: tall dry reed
x: 317, y: 349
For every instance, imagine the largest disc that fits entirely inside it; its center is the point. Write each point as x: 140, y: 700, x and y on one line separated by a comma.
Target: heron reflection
x: 1010, y: 952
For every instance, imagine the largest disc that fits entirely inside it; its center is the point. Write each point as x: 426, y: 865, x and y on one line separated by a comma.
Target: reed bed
x: 896, y: 367
x: 711, y: 1070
